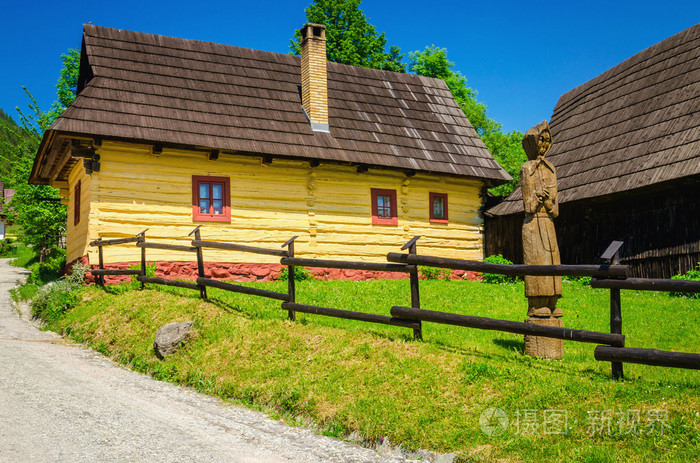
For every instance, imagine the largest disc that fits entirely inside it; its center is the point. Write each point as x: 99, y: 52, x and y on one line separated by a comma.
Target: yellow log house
x: 167, y: 134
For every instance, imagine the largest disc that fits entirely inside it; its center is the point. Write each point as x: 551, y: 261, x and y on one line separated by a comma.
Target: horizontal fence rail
x: 239, y: 247
x: 100, y: 242
x: 508, y: 326
x: 506, y: 269
x: 347, y: 265
x: 648, y: 284
x: 350, y: 315
x: 242, y: 289
x: 103, y: 272
x: 660, y: 358
x: 170, y: 247
x: 167, y: 282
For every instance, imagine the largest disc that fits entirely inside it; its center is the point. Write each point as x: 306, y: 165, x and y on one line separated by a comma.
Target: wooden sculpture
x: 538, y: 181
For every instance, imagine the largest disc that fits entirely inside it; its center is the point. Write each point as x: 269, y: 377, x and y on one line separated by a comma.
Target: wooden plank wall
x: 77, y: 236
x: 661, y: 231
x: 327, y: 206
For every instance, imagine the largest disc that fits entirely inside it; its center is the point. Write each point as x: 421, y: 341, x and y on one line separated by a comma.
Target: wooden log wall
x: 328, y: 206
x: 660, y: 228
x: 78, y: 235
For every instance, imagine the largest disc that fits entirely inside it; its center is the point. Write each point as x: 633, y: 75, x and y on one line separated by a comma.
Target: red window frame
x: 76, y: 204
x: 376, y: 219
x: 431, y: 207
x: 197, y: 180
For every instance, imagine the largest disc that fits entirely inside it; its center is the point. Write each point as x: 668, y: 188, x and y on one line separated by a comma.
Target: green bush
x: 52, y: 268
x: 434, y: 273
x: 300, y: 274
x: 6, y: 247
x: 496, y: 278
x: 57, y: 297
x: 693, y: 275
x: 583, y: 281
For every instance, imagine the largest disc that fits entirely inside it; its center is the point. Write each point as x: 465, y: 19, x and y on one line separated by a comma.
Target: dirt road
x: 62, y: 402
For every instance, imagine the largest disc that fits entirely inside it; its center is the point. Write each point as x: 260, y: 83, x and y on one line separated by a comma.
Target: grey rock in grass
x: 170, y: 337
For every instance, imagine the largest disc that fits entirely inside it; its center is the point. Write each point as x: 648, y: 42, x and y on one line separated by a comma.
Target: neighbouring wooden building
x: 6, y: 195
x: 168, y: 134
x: 627, y: 153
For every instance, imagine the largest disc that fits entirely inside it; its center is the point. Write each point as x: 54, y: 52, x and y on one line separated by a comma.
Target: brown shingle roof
x: 169, y: 90
x: 633, y: 126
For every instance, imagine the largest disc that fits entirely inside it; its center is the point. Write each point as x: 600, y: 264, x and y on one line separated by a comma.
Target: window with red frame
x: 384, y: 207
x: 438, y: 207
x: 211, y: 199
x: 76, y: 204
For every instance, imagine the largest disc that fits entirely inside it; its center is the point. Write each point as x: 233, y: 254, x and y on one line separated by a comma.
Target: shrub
x: 300, y: 274
x: 6, y: 247
x: 496, y: 278
x: 694, y: 275
x: 434, y: 273
x: 583, y: 281
x: 57, y: 297
x: 52, y: 268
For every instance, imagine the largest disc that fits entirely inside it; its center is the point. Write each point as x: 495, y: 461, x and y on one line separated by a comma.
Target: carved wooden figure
x: 538, y: 181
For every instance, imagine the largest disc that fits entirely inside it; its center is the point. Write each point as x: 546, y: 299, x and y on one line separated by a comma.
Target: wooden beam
x: 659, y: 358
x: 648, y: 284
x: 516, y: 269
x: 484, y: 323
x: 166, y: 282
x: 349, y: 315
x: 367, y: 266
x: 238, y: 247
x: 101, y: 272
x: 242, y: 289
x: 213, y: 155
x: 63, y: 158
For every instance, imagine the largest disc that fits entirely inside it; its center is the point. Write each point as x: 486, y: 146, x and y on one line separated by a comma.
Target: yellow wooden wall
x: 328, y: 206
x: 77, y: 235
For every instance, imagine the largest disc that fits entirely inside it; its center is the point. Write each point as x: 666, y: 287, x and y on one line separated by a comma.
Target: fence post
x: 100, y: 278
x: 612, y: 256
x: 291, y: 283
x: 616, y: 321
x: 415, y: 294
x: 200, y: 261
x: 143, y: 257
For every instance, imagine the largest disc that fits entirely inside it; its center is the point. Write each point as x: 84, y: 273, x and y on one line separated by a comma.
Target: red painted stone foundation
x: 252, y: 272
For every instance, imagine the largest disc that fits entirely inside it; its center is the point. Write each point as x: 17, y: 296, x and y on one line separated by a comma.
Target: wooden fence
x: 610, y: 275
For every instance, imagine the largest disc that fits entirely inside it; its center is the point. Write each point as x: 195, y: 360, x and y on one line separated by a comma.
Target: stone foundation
x: 252, y: 272
x: 539, y: 346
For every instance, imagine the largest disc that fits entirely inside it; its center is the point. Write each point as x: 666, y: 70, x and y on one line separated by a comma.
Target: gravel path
x: 63, y: 402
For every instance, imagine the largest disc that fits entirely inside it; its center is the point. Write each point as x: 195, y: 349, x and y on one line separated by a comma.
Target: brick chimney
x: 314, y: 80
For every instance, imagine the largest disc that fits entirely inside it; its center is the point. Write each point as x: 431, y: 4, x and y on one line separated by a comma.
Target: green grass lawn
x: 347, y: 376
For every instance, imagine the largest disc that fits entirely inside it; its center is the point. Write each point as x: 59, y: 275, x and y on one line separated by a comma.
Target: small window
x: 211, y: 199
x: 384, y: 207
x: 438, y: 207
x: 76, y: 204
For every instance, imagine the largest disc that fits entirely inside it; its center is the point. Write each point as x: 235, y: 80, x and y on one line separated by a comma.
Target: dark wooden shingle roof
x: 635, y: 125
x: 161, y: 89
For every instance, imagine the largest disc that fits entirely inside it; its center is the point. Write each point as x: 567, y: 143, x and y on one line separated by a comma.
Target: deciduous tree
x: 506, y: 148
x: 38, y: 208
x: 350, y: 38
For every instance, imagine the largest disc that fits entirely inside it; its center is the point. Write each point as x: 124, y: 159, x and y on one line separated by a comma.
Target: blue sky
x: 519, y: 56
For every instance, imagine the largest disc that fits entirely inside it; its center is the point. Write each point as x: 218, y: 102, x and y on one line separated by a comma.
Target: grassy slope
x: 374, y: 379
